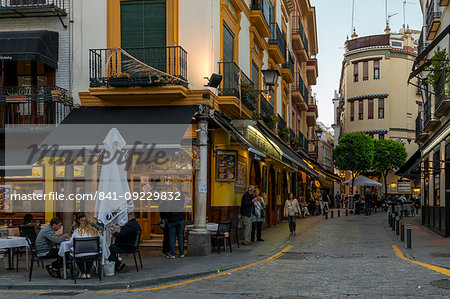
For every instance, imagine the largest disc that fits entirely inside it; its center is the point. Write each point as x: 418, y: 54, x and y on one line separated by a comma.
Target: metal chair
x: 86, y: 250
x: 235, y: 228
x: 27, y: 231
x: 134, y: 249
x: 35, y: 257
x: 223, y: 233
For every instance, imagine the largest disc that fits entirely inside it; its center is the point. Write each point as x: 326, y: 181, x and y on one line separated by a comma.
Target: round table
x: 11, y: 243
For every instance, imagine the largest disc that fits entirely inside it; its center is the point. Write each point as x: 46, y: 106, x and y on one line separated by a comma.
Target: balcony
x: 423, y: 43
x: 260, y: 16
x: 421, y: 136
x: 267, y: 113
x: 33, y: 105
x: 442, y: 101
x: 151, y: 72
x: 298, y: 143
x: 443, y: 2
x: 299, y: 39
x: 31, y: 8
x: 433, y: 21
x: 311, y: 115
x: 236, y: 89
x: 287, y: 70
x: 277, y: 44
x: 312, y: 71
x: 430, y: 123
x: 298, y: 93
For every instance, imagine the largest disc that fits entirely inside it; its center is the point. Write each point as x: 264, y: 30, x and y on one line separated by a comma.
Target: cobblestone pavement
x: 341, y: 257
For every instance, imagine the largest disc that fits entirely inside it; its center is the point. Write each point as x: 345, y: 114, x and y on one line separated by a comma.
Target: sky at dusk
x: 334, y: 18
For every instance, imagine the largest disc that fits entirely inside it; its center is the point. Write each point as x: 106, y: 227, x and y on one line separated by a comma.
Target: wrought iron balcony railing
x: 31, y: 8
x: 419, y: 125
x: 277, y: 38
x: 442, y: 102
x: 289, y: 64
x: 264, y: 6
x: 423, y: 43
x: 426, y: 111
x: 298, y: 83
x: 33, y: 105
x: 138, y: 66
x: 433, y: 14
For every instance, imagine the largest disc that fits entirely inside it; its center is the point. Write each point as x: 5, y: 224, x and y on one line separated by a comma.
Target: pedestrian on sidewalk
x: 175, y: 225
x: 259, y: 212
x: 326, y: 202
x: 368, y: 202
x: 357, y: 199
x: 291, y: 210
x: 165, y: 228
x: 337, y: 199
x: 304, y: 207
x: 246, y: 214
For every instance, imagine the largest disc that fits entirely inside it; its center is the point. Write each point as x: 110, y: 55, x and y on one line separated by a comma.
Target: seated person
x: 85, y: 230
x: 98, y: 226
x: 28, y: 221
x: 45, y: 245
x: 124, y: 240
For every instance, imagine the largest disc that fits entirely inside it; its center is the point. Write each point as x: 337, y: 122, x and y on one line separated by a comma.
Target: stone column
x: 199, y: 238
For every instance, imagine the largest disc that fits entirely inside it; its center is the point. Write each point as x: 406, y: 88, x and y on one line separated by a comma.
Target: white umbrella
x: 113, y: 185
x: 363, y: 181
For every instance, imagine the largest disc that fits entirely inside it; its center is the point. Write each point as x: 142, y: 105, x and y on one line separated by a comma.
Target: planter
x: 142, y: 81
x: 119, y: 82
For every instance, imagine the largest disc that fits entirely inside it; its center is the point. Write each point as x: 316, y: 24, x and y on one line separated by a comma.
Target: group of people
x: 403, y: 205
x: 47, y: 240
x: 253, y: 212
x: 363, y: 203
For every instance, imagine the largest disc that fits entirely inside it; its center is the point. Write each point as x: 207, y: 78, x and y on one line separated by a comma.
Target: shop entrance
x: 272, y: 186
x: 255, y: 175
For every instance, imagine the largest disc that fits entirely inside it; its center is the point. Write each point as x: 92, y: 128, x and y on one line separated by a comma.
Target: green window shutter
x: 255, y: 76
x: 228, y: 49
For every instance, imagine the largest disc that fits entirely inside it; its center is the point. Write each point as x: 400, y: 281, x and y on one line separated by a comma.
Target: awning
x: 411, y: 168
x: 40, y: 45
x: 363, y: 181
x: 288, y: 155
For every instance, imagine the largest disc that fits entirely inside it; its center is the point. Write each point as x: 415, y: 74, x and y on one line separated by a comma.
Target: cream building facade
x: 374, y: 95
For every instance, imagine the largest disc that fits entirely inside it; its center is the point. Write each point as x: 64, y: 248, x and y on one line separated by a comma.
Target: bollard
x: 389, y: 219
x: 339, y: 213
x: 346, y: 212
x: 408, y: 235
x: 332, y: 214
x: 326, y: 215
x: 397, y: 226
x: 402, y: 232
x: 393, y: 223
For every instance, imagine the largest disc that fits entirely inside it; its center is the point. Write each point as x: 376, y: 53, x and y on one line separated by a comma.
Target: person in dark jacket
x: 176, y: 226
x: 368, y: 200
x: 247, y: 203
x: 124, y: 240
x: 357, y: 200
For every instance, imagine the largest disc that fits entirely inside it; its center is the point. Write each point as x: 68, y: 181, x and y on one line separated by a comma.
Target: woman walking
x: 259, y: 212
x: 291, y: 209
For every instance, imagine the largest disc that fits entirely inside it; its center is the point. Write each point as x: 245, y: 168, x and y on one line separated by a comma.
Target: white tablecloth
x: 12, y: 242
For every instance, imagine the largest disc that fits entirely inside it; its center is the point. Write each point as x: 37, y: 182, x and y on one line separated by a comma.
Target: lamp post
x: 319, y: 135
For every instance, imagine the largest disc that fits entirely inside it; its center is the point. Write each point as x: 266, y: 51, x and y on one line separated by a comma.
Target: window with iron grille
x: 380, y: 108
x: 355, y: 72
x: 376, y: 69
x: 361, y: 110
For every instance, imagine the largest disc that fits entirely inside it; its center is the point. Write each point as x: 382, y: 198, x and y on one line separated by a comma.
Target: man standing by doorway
x: 246, y: 214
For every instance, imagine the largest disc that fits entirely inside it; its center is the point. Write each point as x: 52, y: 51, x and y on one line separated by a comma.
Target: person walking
x: 291, y: 210
x: 246, y: 214
x: 259, y: 212
x: 337, y: 199
x: 368, y: 202
x: 326, y: 202
x: 357, y: 199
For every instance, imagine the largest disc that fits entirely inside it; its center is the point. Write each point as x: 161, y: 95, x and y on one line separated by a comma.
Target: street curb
x: 114, y: 286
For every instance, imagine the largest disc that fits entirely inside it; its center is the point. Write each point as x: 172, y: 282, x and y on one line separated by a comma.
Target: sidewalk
x: 156, y: 269
x: 426, y: 246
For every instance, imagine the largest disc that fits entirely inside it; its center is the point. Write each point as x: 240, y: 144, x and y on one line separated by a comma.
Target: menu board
x: 241, y: 175
x: 226, y: 166
x: 5, y: 198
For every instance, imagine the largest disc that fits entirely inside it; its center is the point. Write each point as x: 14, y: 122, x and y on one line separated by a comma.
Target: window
x: 365, y: 70
x: 381, y: 136
x: 376, y: 69
x: 361, y: 110
x: 30, y: 73
x: 352, y: 111
x: 284, y: 111
x: 370, y: 112
x: 380, y: 108
x: 255, y: 75
x: 355, y: 72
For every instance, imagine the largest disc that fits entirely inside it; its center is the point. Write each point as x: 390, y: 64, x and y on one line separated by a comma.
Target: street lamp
x: 319, y: 135
x: 270, y: 77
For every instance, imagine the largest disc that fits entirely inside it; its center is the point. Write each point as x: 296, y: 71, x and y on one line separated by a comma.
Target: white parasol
x: 111, y: 204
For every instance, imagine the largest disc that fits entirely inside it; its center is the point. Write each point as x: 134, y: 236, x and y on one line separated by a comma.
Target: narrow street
x: 340, y: 257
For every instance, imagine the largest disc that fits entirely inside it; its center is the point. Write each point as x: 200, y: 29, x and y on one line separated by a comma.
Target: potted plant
x: 121, y: 80
x: 284, y: 134
x: 158, y: 81
x: 439, y: 66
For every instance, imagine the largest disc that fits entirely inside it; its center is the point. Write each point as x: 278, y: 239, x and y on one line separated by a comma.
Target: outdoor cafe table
x: 11, y: 243
x: 212, y: 227
x: 65, y: 246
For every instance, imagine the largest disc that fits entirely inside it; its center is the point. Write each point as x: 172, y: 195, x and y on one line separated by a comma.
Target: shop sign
x: 256, y: 138
x: 256, y: 157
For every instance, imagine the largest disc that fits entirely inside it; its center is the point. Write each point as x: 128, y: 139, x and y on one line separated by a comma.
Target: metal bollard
x: 339, y: 213
x: 346, y: 212
x: 393, y: 223
x: 397, y: 225
x: 408, y: 235
x: 332, y: 214
x: 326, y: 215
x: 390, y: 219
x: 402, y: 232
